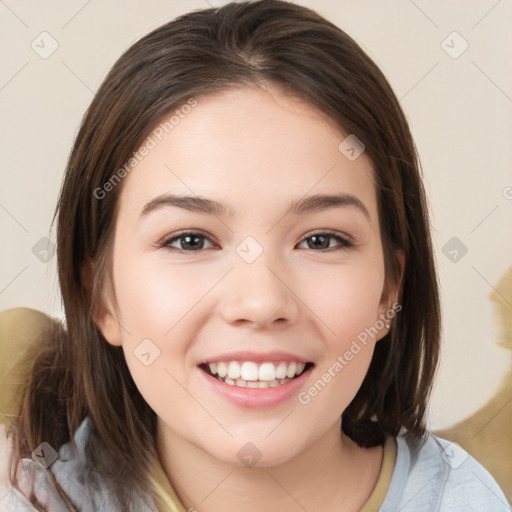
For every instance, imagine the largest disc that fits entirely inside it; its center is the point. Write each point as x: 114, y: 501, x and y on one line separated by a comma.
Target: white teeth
x: 255, y: 384
x: 250, y: 374
x: 249, y: 371
x: 291, y: 370
x: 222, y: 369
x: 234, y: 370
x: 281, y: 371
x: 267, y: 372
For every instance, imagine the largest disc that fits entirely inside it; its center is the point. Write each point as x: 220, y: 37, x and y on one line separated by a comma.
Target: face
x: 279, y: 287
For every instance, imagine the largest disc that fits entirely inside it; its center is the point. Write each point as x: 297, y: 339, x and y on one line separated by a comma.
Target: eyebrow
x: 309, y: 204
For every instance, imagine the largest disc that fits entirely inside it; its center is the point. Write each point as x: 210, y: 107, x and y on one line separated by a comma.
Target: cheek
x: 166, y: 305
x: 154, y: 297
x: 346, y: 299
x: 153, y: 304
x: 348, y: 352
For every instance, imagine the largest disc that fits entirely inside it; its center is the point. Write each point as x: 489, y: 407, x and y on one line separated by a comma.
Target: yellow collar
x: 168, y: 501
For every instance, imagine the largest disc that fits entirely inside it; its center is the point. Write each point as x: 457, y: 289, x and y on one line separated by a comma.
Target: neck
x: 331, y: 472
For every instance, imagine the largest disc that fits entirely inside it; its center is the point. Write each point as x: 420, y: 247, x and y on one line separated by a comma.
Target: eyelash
x: 344, y: 243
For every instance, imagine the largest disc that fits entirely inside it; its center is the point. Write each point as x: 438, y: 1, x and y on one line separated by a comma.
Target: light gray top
x: 430, y: 476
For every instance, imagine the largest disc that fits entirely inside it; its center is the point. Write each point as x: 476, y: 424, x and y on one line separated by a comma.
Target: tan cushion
x: 21, y: 332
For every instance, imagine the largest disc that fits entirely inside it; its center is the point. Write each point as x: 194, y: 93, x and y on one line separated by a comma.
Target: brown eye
x: 188, y: 241
x: 323, y: 240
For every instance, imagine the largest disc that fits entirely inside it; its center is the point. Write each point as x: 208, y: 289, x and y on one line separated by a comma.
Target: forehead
x: 248, y: 145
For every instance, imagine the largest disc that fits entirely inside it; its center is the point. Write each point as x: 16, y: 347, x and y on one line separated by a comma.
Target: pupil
x: 187, y: 239
x: 322, y: 240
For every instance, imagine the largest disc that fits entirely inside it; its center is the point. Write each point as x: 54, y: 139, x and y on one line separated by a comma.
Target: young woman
x: 252, y: 312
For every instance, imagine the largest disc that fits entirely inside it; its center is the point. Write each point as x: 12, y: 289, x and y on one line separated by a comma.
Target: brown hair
x: 79, y: 374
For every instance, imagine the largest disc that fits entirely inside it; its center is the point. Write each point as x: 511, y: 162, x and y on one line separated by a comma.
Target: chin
x: 259, y: 453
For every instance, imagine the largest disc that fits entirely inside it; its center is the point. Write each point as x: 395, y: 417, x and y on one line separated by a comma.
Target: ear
x: 388, y: 306
x: 103, y: 310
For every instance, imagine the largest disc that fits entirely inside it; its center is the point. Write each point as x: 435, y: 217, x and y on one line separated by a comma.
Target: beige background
x: 460, y: 111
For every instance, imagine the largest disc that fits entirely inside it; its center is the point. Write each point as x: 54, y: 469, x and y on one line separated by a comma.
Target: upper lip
x: 257, y: 357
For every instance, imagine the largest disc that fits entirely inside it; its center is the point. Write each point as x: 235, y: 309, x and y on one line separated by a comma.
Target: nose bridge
x: 257, y: 291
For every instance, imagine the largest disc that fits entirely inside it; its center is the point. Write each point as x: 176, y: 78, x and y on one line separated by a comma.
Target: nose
x: 258, y: 294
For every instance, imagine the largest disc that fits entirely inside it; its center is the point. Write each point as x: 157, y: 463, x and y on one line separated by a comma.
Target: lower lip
x: 257, y: 397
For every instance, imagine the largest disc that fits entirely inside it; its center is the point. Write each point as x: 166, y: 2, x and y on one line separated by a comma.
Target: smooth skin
x: 254, y: 150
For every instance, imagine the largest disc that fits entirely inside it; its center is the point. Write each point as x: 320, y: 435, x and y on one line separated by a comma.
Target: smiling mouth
x: 248, y: 374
